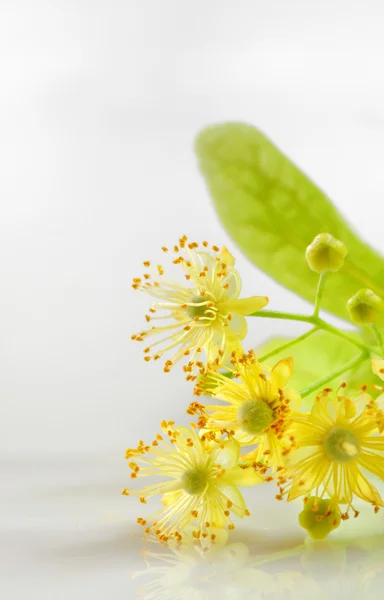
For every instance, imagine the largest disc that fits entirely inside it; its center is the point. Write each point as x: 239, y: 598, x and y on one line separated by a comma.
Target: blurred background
x: 99, y: 108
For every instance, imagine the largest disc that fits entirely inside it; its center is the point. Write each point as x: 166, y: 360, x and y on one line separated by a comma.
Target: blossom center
x: 199, y: 307
x: 341, y: 445
x: 255, y: 416
x: 194, y: 481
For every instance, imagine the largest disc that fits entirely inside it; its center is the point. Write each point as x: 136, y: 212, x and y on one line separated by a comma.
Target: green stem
x: 324, y: 380
x: 319, y: 294
x: 316, y: 321
x: 274, y: 314
x: 378, y: 338
x: 283, y: 347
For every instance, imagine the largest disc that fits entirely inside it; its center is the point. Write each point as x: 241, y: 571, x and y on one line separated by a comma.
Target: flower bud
x: 319, y: 517
x: 365, y: 307
x: 325, y: 253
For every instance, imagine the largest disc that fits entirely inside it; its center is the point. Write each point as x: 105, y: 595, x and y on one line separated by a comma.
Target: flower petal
x: 350, y: 408
x: 244, y: 306
x: 362, y: 487
x: 378, y: 367
x: 232, y: 493
x: 227, y: 454
x: 282, y: 371
x: 226, y: 257
x: 244, y: 439
x: 294, y: 396
x: 237, y: 329
x: 313, y: 476
x: 243, y: 477
x: 374, y: 463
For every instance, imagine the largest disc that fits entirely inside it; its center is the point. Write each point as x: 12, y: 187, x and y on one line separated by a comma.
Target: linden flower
x: 205, y: 314
x: 336, y: 443
x: 199, y: 482
x: 257, y: 409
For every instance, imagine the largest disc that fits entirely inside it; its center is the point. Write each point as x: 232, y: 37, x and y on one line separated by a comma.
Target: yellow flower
x: 336, y: 444
x: 203, y: 314
x: 199, y: 482
x: 257, y: 407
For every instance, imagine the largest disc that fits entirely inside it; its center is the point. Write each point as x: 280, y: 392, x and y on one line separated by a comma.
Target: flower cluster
x: 251, y: 425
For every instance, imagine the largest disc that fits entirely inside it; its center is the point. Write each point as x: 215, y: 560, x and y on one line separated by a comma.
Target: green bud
x: 365, y: 307
x: 325, y: 253
x: 319, y: 517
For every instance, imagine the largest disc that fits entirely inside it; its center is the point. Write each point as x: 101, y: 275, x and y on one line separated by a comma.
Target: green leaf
x: 273, y: 212
x: 315, y: 357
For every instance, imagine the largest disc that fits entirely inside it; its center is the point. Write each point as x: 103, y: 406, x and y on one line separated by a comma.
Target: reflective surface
x: 312, y: 570
x: 67, y: 531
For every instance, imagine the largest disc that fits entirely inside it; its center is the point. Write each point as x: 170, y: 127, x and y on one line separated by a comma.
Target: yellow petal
x: 314, y: 476
x: 219, y: 520
x: 373, y: 463
x: 242, y: 477
x: 378, y: 367
x: 227, y: 454
x: 232, y: 344
x: 232, y: 493
x: 243, y: 306
x: 282, y: 372
x: 321, y: 411
x: 350, y: 408
x: 294, y: 396
x: 237, y: 329
x: 362, y: 487
x: 245, y: 439
x: 226, y: 257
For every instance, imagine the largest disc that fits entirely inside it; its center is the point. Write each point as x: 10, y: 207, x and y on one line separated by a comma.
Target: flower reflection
x: 228, y: 570
x: 192, y: 572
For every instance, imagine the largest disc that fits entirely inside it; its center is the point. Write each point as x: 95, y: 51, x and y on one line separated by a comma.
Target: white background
x: 100, y: 103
